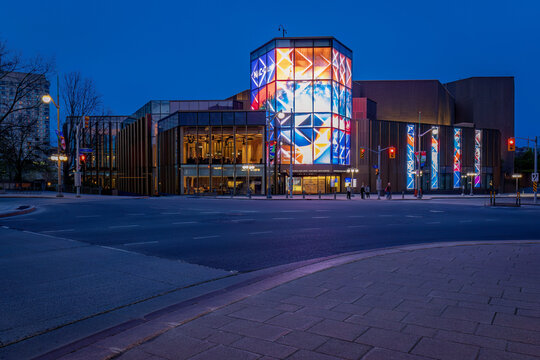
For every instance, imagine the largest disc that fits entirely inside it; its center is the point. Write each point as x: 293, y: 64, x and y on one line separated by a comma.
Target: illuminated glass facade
x: 310, y: 81
x: 457, y: 157
x: 435, y: 158
x: 478, y: 158
x: 411, y: 135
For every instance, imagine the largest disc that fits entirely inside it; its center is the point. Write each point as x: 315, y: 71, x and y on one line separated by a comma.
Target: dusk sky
x: 137, y: 51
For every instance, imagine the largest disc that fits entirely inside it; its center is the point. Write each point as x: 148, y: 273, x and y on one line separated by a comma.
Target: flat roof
x: 305, y: 41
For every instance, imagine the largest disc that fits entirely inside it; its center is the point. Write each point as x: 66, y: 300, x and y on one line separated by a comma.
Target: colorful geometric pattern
x: 435, y: 158
x: 457, y: 157
x: 411, y: 134
x: 478, y: 158
x: 312, y: 86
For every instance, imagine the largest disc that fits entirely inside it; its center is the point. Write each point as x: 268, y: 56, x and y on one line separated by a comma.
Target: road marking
x: 314, y: 228
x: 113, y: 248
x: 238, y: 220
x: 385, y: 215
x: 205, y: 237
x: 433, y: 222
x: 141, y: 243
x: 356, y: 216
x: 259, y: 232
x: 355, y: 226
x: 184, y: 222
x: 122, y: 226
x: 465, y: 221
x: 436, y: 211
x: 281, y: 218
x: 135, y: 214
x: 320, y: 217
x: 392, y: 224
x: 53, y: 231
x: 413, y: 216
x: 171, y: 213
x: 291, y: 211
x: 322, y: 210
x: 87, y: 216
x: 211, y: 212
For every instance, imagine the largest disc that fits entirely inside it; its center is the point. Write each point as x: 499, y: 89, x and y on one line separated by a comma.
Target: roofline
x: 302, y: 38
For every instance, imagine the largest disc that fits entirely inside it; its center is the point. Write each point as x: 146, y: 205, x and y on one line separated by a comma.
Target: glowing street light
x: 47, y: 99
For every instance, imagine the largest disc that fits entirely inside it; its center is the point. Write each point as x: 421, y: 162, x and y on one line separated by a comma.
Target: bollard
x: 249, y: 193
x: 335, y: 194
x: 231, y: 194
x: 403, y: 194
x: 319, y: 195
x: 303, y: 194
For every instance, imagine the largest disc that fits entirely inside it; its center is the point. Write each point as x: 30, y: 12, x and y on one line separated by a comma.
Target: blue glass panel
x: 303, y: 96
x: 348, y: 100
x: 284, y: 96
x: 270, y: 66
x: 254, y: 74
x: 341, y: 100
x: 335, y: 97
x: 262, y: 70
x: 322, y: 95
x: 303, y: 120
x: 322, y: 120
x: 335, y: 146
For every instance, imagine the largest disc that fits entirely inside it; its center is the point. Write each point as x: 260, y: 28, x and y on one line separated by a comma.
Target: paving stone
x: 374, y: 322
x: 513, y: 294
x: 338, y: 329
x: 346, y: 294
x: 255, y: 313
x: 352, y: 309
x: 509, y: 333
x: 385, y: 302
x: 221, y: 352
x: 445, y: 350
x: 343, y: 349
x: 310, y: 355
x: 480, y: 341
x: 476, y: 315
x: 459, y: 296
x: 301, y: 290
x: 288, y: 307
x: 440, y: 323
x: 323, y: 313
x: 302, y: 340
x: 426, y: 308
x: 193, y: 329
x: 419, y: 330
x: 521, y: 348
x: 488, y: 307
x: 492, y: 354
x: 175, y: 346
x: 255, y: 329
x: 387, y: 339
x: 521, y: 322
x: 223, y: 337
x: 528, y: 312
x: 386, y: 314
x: 385, y: 354
x: 312, y: 302
x: 214, y: 320
x: 294, y: 321
x: 514, y: 303
x: 476, y: 289
x: 264, y: 347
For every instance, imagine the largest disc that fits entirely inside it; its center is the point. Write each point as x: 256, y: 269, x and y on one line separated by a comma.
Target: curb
x: 113, y: 342
x: 19, y: 212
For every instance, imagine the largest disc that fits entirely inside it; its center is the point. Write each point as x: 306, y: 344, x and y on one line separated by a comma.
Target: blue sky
x: 141, y: 50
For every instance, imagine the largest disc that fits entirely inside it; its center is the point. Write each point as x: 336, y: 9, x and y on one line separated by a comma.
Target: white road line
x: 320, y: 217
x: 113, y: 248
x: 413, y: 216
x: 184, y: 222
x: 282, y: 218
x: 122, y: 226
x: 240, y: 220
x: 433, y: 222
x: 211, y: 212
x: 314, y: 228
x: 141, y: 243
x: 356, y: 216
x: 465, y: 221
x: 322, y: 210
x: 53, y: 231
x: 5, y: 227
x: 259, y: 232
x: 171, y: 213
x: 385, y: 215
x: 87, y: 216
x: 206, y: 237
x: 355, y: 226
x: 135, y: 214
x: 436, y: 211
x: 291, y: 211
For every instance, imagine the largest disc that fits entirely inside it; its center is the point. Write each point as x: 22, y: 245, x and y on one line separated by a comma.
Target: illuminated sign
x: 477, y: 158
x: 410, y: 156
x: 435, y: 158
x: 457, y: 157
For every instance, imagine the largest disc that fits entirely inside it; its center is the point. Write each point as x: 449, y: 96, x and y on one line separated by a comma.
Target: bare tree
x: 80, y: 98
x: 25, y: 78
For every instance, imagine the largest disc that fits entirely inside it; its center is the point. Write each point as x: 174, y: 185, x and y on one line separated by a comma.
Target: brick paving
x: 462, y: 302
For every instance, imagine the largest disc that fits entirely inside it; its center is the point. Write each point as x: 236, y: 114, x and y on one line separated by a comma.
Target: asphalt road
x: 245, y: 235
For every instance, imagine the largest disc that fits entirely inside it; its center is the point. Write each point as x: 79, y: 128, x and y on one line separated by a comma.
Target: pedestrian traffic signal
x: 362, y: 153
x: 392, y: 153
x: 376, y: 171
x: 86, y: 122
x: 82, y: 158
x: 511, y: 144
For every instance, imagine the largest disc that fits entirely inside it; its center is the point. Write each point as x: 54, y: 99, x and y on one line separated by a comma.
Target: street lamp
x: 279, y: 115
x: 47, y: 99
x: 472, y: 176
x: 517, y: 177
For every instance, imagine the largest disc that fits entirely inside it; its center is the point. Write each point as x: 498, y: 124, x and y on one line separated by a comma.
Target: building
x: 24, y: 91
x: 304, y: 115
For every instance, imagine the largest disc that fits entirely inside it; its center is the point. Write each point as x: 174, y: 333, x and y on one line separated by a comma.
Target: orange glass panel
x: 322, y: 61
x: 303, y: 63
x: 284, y: 64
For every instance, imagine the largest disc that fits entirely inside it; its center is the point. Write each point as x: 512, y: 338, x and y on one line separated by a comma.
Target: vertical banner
x: 411, y: 134
x: 435, y: 157
x: 478, y: 158
x: 457, y: 158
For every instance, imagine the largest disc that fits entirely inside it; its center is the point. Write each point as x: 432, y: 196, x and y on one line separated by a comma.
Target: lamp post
x: 48, y: 99
x: 352, y: 171
x: 517, y: 177
x: 472, y: 176
x: 279, y: 115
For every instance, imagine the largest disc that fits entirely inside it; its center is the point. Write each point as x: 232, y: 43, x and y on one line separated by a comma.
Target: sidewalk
x: 477, y: 300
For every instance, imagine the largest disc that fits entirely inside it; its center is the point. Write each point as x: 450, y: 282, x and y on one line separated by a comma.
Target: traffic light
x: 511, y: 144
x: 86, y: 122
x: 29, y: 145
x: 362, y: 153
x: 376, y: 171
x: 82, y: 158
x: 392, y: 152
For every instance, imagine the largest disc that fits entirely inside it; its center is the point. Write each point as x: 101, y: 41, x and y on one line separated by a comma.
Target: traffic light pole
x: 379, y: 185
x: 78, y: 162
x: 535, y: 165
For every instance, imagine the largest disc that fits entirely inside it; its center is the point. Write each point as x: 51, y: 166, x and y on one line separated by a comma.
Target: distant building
x: 30, y: 105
